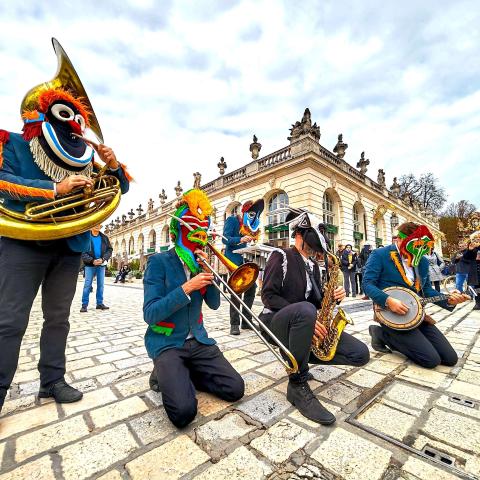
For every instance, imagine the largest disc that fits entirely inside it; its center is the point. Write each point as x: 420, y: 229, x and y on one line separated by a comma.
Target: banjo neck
x: 439, y: 298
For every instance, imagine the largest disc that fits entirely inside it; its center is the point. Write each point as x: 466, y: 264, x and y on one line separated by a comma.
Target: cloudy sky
x: 177, y: 84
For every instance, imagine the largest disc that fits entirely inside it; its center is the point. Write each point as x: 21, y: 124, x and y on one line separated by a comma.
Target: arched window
x: 116, y: 252
x: 124, y: 247
x: 277, y: 233
x: 378, y: 233
x: 232, y: 209
x: 131, y: 246
x: 152, y: 240
x: 329, y: 219
x: 141, y: 244
x: 358, y: 215
x: 166, y: 233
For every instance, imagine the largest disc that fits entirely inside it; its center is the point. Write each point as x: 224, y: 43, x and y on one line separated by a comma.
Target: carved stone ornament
x: 197, y: 179
x: 162, y: 196
x: 304, y: 127
x: 359, y: 196
x: 340, y: 147
x: 150, y: 205
x: 255, y: 147
x: 333, y: 181
x: 232, y: 195
x: 272, y: 182
x: 178, y: 190
x: 222, y: 165
x: 381, y: 177
x: 363, y: 164
x: 395, y: 188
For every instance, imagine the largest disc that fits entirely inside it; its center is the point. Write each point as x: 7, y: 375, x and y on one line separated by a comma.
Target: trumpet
x: 241, y: 279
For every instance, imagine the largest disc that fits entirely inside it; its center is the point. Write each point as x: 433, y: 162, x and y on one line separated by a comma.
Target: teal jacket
x: 22, y: 182
x: 381, y: 272
x: 167, y: 307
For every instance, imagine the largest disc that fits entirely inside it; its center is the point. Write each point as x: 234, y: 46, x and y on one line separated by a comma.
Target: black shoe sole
x: 321, y: 422
x: 378, y: 347
x: 47, y: 395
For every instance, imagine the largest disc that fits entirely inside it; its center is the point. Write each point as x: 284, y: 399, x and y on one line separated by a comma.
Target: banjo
x: 415, y: 304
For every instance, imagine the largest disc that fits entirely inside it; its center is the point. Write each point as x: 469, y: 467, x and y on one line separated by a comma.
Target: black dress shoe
x: 101, y: 306
x: 153, y: 381
x: 83, y: 309
x: 246, y: 326
x: 309, y: 376
x: 3, y: 394
x: 378, y: 343
x: 61, y: 392
x: 301, y: 396
x: 235, y: 330
x: 476, y: 307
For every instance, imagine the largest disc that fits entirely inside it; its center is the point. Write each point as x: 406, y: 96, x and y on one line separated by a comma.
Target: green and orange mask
x: 414, y: 246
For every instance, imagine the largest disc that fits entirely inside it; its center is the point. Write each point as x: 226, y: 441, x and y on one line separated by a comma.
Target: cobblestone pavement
x: 119, y: 430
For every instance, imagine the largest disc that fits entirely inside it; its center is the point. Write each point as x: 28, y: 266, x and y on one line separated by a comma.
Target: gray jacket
x: 435, y: 267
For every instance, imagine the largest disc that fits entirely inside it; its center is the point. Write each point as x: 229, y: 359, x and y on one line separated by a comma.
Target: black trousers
x: 248, y: 297
x: 425, y: 345
x: 194, y: 366
x: 436, y: 285
x: 294, y: 326
x: 24, y: 267
x: 349, y: 282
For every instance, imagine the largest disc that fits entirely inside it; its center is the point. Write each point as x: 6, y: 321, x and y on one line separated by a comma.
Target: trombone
x: 240, y: 280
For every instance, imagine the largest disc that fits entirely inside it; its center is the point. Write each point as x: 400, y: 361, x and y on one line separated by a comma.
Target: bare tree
x: 424, y: 190
x: 460, y: 210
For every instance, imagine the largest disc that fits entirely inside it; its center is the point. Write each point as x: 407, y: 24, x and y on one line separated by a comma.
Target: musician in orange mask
x: 402, y: 264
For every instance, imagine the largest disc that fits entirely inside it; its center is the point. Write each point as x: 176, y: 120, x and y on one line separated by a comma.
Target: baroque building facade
x: 355, y: 208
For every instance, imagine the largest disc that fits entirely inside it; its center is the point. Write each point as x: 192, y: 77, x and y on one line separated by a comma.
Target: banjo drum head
x: 411, y: 319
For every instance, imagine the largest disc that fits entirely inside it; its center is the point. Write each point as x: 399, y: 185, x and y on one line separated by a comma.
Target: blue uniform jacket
x: 22, y: 182
x: 165, y: 300
x: 231, y: 231
x: 381, y: 272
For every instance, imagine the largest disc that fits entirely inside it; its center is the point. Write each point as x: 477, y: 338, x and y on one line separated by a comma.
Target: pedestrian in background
x: 349, y: 263
x: 435, y: 267
x: 462, y: 267
x: 95, y: 260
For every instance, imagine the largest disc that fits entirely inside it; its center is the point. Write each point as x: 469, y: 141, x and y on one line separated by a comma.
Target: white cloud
x: 176, y: 85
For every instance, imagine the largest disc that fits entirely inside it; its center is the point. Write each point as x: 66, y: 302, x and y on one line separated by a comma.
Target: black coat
x: 474, y: 270
x: 285, y: 280
x: 461, y: 265
x: 88, y: 257
x: 344, y: 261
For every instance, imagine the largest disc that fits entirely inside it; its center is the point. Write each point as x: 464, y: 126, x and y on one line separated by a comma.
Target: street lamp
x: 394, y: 221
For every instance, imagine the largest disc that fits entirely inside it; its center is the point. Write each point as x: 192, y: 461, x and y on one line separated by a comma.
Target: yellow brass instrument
x: 81, y: 209
x: 240, y: 280
x: 324, y: 349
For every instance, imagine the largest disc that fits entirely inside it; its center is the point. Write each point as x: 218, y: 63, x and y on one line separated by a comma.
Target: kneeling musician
x: 175, y: 287
x: 291, y: 296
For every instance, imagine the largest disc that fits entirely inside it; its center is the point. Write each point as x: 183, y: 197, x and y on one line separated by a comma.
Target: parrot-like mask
x: 250, y: 218
x: 189, y: 226
x: 414, y: 246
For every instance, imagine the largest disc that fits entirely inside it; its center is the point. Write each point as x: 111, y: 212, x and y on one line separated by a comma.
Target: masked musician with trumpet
x: 300, y: 313
x: 51, y: 197
x: 176, y: 284
x: 240, y: 230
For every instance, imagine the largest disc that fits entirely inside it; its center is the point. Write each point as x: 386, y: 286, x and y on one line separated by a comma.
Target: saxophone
x: 324, y: 349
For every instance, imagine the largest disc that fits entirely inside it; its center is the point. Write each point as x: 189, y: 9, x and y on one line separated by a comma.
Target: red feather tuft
x: 4, y: 136
x: 31, y: 130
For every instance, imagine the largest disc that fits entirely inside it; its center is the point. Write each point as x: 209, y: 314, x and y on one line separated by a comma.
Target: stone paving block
x: 49, y: 437
x: 235, y: 354
x: 133, y: 361
x: 27, y: 420
x: 444, y: 402
x: 281, y: 440
x: 381, y: 366
x: 28, y: 376
x: 255, y: 347
x: 244, y: 364
x: 393, y: 358
x: 341, y: 393
x: 265, y: 407
x: 2, y: 449
x: 117, y: 411
x: 274, y: 370
x: 325, y: 373
x: 96, y: 453
x: 387, y: 420
x: 18, y: 404
x: 111, y: 357
x: 78, y: 364
x: 466, y: 389
x: 264, y: 357
x: 167, y: 462
x: 469, y: 377
x: 351, y: 456
x: 424, y: 470
x: 365, y: 378
x: 217, y: 435
x: 454, y: 429
x: 40, y: 469
x: 408, y: 395
x: 209, y: 404
x: 113, y: 377
x: 133, y: 386
x: 80, y: 355
x: 152, y: 426
x: 255, y: 382
x: 90, y: 400
x: 424, y: 376
x: 92, y: 371
x: 239, y: 465
x: 93, y: 346
x: 154, y: 397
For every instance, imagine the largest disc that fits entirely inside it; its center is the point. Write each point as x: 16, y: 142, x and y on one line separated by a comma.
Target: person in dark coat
x: 472, y: 255
x: 462, y: 267
x: 348, y: 262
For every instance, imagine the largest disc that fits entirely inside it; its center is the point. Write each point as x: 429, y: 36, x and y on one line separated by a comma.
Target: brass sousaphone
x: 81, y: 209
